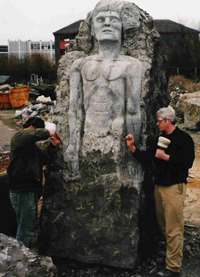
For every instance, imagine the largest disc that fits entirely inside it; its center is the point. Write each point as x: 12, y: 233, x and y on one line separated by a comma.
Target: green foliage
x: 7, y: 64
x: 177, y: 86
x: 20, y: 70
x: 182, y: 84
x: 183, y: 51
x: 39, y: 62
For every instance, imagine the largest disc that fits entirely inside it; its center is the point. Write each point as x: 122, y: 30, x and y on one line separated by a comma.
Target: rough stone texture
x: 192, y: 114
x: 101, y: 217
x: 17, y: 260
x: 181, y: 104
x: 188, y: 107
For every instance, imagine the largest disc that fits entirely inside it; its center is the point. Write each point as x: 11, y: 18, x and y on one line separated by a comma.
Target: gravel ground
x: 7, y: 126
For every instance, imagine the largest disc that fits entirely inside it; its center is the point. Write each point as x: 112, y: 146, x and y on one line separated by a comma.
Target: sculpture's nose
x: 107, y: 21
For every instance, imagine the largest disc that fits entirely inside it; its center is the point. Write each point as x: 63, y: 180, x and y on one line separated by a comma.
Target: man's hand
x: 56, y: 139
x: 160, y: 154
x: 52, y: 133
x: 130, y: 140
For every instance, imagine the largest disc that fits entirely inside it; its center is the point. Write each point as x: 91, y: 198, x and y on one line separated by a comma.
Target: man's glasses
x: 160, y: 120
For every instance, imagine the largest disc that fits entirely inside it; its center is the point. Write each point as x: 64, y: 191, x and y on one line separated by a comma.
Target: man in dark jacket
x: 172, y: 162
x: 25, y: 172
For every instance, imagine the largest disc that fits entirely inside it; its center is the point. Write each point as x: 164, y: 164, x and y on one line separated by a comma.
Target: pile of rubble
x: 42, y: 107
x: 176, y: 94
x: 17, y: 260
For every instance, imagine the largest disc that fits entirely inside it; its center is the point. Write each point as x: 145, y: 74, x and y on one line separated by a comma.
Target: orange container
x: 5, y: 100
x: 15, y: 98
x: 19, y: 96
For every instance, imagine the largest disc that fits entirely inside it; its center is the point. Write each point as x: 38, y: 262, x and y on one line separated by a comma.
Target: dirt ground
x: 192, y: 203
x: 7, y: 128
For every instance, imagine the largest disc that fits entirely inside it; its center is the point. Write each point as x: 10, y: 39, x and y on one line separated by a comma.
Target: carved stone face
x: 107, y: 25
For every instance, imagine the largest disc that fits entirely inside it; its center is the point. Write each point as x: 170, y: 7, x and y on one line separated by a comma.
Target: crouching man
x: 25, y: 173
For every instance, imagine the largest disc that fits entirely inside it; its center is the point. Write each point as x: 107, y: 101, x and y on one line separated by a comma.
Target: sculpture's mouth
x: 107, y: 31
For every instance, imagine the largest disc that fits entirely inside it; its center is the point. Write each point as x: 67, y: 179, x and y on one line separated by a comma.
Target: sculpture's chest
x: 106, y: 70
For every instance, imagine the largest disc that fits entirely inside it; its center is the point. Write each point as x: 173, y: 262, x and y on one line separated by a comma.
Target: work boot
x: 167, y: 273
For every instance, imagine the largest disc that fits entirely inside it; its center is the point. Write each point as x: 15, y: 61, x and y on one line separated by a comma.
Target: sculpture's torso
x: 104, y: 93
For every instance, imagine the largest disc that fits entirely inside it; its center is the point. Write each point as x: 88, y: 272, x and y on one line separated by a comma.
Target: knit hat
x: 36, y: 122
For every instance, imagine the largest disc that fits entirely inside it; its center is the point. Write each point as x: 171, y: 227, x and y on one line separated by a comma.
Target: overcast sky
x: 38, y: 19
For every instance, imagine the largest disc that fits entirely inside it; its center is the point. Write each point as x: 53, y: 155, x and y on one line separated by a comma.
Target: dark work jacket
x: 25, y: 170
x: 182, y: 154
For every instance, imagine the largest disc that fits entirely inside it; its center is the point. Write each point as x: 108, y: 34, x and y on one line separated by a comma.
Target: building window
x: 64, y: 37
x: 35, y: 46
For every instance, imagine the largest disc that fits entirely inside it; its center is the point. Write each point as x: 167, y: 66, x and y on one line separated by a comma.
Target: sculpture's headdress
x: 129, y: 12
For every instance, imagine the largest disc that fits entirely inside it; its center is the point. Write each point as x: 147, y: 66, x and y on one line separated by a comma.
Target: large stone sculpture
x: 105, y: 88
x: 111, y: 83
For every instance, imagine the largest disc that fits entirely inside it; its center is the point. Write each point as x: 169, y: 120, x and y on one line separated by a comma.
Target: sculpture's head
x: 120, y: 15
x: 107, y: 25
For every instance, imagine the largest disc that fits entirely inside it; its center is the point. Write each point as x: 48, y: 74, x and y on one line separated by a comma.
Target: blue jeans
x: 25, y: 205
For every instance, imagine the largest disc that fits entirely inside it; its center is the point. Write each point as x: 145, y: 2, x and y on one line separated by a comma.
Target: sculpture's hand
x: 118, y: 125
x: 72, y: 158
x: 70, y: 152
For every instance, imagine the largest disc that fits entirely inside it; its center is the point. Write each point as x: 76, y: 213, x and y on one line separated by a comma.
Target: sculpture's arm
x: 75, y: 116
x: 133, y: 94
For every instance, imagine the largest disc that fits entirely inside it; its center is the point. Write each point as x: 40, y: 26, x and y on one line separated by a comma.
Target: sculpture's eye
x: 114, y: 19
x: 100, y: 19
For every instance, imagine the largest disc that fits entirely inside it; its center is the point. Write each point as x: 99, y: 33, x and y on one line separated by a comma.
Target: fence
x: 25, y: 75
x: 188, y: 72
